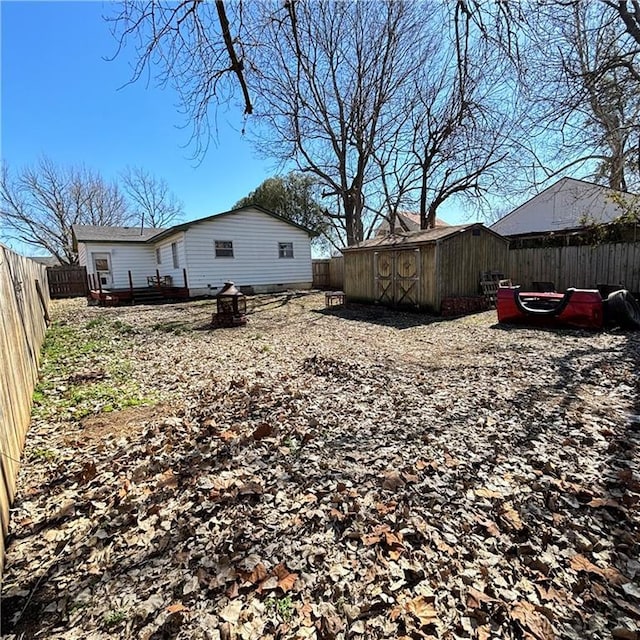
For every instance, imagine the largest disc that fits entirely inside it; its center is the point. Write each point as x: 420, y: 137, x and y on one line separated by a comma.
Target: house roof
x: 48, y: 261
x: 411, y: 219
x: 564, y: 205
x: 186, y: 225
x: 90, y: 233
x: 87, y: 233
x: 413, y: 239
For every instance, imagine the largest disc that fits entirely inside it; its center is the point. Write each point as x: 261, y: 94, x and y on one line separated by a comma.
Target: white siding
x: 166, y: 267
x: 255, y: 236
x: 564, y: 205
x: 82, y: 254
x: 135, y: 257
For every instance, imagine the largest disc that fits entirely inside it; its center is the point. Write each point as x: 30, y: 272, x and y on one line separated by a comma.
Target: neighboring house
x: 250, y: 246
x: 410, y: 220
x: 568, y: 204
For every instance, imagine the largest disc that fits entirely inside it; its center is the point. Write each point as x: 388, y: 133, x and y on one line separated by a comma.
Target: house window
x: 224, y: 249
x: 285, y: 249
x: 174, y: 255
x: 102, y: 264
x: 158, y: 256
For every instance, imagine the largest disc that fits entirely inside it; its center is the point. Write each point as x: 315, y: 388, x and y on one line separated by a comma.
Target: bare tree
x: 460, y: 133
x: 150, y: 199
x: 39, y: 205
x: 334, y: 92
x: 583, y: 99
x: 198, y: 47
x: 327, y: 87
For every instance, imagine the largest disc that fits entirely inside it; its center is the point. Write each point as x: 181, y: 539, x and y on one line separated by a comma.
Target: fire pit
x: 231, y: 307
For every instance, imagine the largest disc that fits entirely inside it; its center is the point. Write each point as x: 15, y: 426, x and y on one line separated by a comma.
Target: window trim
x: 283, y: 252
x: 174, y: 255
x: 217, y: 248
x: 158, y: 255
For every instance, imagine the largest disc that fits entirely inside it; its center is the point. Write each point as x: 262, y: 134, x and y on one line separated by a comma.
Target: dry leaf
x: 231, y: 613
x: 420, y: 608
x: 392, y: 481
x: 483, y: 492
x: 177, y: 607
x: 532, y: 621
x: 476, y: 598
x: 510, y: 516
x: 263, y: 431
x: 286, y: 579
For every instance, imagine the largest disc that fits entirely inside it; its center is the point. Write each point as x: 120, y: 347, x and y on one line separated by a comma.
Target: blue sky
x: 62, y: 99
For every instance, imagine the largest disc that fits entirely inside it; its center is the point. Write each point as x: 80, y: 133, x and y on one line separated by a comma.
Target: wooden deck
x: 144, y: 295
x: 159, y: 289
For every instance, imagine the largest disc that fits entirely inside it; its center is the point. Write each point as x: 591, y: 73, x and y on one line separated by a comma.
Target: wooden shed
x: 420, y: 269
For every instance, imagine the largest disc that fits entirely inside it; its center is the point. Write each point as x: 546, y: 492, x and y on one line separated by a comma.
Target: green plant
x: 114, y: 617
x: 266, y: 348
x: 124, y: 328
x: 282, y: 607
x: 96, y: 322
x: 173, y: 326
x: 77, y: 605
x: 293, y: 445
x: 43, y: 454
x: 62, y: 394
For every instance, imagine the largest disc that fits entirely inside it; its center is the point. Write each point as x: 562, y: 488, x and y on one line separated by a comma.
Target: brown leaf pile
x: 350, y: 474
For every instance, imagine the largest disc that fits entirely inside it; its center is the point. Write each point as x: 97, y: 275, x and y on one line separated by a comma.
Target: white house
x: 250, y: 246
x: 567, y: 204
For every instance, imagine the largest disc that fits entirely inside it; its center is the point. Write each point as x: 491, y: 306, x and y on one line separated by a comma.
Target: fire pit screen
x: 231, y: 307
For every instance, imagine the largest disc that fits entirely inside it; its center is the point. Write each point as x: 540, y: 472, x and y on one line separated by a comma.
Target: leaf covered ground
x: 353, y: 473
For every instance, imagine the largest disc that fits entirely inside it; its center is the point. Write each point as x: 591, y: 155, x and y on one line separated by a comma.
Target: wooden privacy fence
x: 69, y: 281
x: 24, y: 300
x: 578, y: 266
x: 328, y: 273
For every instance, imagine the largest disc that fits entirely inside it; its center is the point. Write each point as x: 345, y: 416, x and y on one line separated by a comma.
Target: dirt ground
x: 326, y: 473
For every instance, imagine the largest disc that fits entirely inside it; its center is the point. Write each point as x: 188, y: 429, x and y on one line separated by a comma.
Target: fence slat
x: 22, y: 328
x: 68, y: 281
x: 582, y: 266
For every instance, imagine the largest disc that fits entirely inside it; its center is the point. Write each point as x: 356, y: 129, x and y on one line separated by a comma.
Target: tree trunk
x: 423, y: 199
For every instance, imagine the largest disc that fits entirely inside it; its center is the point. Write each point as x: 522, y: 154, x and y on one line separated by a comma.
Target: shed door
x: 397, y: 277
x: 407, y: 278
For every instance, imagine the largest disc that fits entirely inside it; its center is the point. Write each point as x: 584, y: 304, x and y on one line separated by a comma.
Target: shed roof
x: 413, y: 239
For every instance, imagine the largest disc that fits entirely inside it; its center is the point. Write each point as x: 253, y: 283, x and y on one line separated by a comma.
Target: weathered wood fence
x: 328, y: 273
x: 68, y: 281
x: 578, y: 266
x: 24, y: 299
